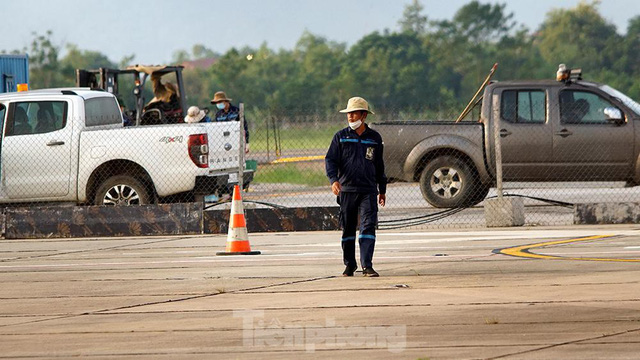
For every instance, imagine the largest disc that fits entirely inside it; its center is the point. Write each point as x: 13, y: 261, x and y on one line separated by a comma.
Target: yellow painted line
x: 524, y: 250
x: 298, y: 159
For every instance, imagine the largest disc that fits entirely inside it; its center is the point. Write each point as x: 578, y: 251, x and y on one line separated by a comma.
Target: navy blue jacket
x: 356, y: 161
x: 233, y: 115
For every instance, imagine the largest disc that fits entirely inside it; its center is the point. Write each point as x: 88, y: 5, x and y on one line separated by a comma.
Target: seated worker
x: 126, y: 119
x: 580, y: 110
x: 166, y: 99
x: 194, y: 115
x: 45, y: 122
x: 573, y: 112
x: 21, y: 122
x: 228, y: 112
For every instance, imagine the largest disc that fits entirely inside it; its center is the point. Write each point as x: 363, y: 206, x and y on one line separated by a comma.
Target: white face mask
x: 354, y: 125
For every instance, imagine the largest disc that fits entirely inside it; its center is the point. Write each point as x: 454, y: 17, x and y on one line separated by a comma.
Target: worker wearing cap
x: 228, y: 112
x: 356, y: 171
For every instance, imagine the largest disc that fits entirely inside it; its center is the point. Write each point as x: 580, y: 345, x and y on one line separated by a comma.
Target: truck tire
x: 121, y: 190
x: 448, y: 182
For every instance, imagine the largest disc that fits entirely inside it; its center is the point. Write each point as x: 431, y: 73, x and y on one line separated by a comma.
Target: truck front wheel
x: 448, y: 182
x: 121, y: 190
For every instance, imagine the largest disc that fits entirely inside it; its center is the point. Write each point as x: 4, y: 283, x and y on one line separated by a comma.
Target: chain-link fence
x: 560, y: 145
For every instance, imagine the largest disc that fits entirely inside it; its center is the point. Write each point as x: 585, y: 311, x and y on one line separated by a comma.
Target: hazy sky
x: 153, y: 30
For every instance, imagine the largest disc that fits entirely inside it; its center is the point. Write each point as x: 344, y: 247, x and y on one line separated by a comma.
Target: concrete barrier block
x: 272, y: 219
x: 504, y: 212
x: 56, y: 221
x: 607, y: 213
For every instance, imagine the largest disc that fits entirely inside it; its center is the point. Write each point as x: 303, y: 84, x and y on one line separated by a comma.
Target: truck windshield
x: 627, y: 101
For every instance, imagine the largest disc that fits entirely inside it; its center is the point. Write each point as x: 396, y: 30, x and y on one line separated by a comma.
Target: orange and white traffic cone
x: 238, y: 238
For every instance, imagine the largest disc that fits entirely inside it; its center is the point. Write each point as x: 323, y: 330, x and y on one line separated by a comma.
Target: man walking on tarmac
x: 356, y: 171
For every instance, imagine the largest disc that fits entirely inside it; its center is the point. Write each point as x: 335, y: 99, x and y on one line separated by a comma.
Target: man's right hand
x: 335, y: 187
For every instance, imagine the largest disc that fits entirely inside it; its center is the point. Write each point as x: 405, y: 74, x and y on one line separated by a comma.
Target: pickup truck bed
x: 405, y: 142
x: 447, y: 158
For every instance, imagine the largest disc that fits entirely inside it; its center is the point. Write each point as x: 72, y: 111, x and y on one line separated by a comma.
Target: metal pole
x: 497, y: 145
x: 267, y: 122
x: 241, y: 149
x: 473, y: 99
x: 139, y: 97
x: 276, y: 140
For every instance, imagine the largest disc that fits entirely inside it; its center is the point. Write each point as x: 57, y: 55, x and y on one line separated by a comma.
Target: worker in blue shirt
x: 228, y: 112
x: 356, y: 171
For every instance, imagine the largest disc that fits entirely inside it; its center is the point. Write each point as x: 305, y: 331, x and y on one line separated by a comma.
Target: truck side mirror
x: 613, y: 115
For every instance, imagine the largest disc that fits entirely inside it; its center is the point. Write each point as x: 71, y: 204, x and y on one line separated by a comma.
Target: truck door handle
x: 226, y: 133
x: 505, y: 133
x: 55, y: 143
x: 564, y: 133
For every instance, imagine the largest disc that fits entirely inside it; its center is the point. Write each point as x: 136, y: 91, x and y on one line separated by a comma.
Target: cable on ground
x: 425, y: 219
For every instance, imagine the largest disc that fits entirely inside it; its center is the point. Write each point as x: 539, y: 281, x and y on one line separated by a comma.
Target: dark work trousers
x: 353, y: 204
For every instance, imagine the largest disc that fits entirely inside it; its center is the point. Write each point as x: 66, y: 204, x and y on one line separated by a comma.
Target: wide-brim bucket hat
x: 194, y: 115
x: 357, y: 104
x: 219, y: 96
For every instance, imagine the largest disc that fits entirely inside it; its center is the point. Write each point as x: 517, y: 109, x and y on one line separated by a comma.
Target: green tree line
x: 423, y: 65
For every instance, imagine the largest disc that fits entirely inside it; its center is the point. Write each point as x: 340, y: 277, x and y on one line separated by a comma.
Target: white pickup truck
x: 69, y: 145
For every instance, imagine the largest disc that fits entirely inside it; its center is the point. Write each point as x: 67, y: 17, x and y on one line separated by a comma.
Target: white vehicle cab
x: 70, y: 145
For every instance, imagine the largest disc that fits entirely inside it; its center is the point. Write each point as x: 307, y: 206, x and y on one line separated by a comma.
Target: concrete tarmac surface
x: 518, y: 293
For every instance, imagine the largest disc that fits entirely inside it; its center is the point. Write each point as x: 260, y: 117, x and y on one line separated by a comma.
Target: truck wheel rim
x: 121, y: 195
x: 446, y: 182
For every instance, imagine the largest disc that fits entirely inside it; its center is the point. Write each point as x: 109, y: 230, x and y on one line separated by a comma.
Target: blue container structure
x: 14, y: 70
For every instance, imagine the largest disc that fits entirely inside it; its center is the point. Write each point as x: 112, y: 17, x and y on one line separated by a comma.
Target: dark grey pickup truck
x: 549, y: 131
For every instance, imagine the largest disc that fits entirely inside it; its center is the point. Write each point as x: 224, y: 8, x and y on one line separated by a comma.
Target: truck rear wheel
x: 121, y: 190
x: 448, y: 182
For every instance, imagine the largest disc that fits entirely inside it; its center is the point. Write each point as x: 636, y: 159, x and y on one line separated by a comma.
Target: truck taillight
x: 199, y: 150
